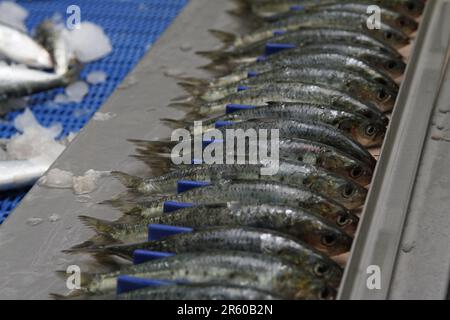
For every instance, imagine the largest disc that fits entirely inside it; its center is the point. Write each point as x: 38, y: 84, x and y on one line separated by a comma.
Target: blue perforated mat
x: 132, y: 25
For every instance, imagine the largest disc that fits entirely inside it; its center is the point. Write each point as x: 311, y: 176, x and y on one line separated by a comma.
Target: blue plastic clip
x: 126, y: 283
x: 297, y: 7
x: 159, y: 231
x: 279, y: 32
x: 142, y: 256
x: 171, y: 206
x: 237, y: 107
x: 242, y: 88
x: 272, y: 48
x: 261, y: 59
x: 186, y: 185
x: 252, y: 74
x: 221, y: 124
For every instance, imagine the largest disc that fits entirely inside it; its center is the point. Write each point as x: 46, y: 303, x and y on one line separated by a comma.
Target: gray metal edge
x: 30, y: 255
x: 383, y: 219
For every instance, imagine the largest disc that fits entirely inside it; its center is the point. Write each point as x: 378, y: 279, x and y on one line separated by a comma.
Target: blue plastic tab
x: 297, y: 7
x: 186, y: 185
x: 142, y: 256
x: 126, y: 283
x: 252, y: 74
x: 221, y: 124
x: 242, y: 88
x: 279, y: 32
x: 261, y: 59
x: 272, y: 48
x: 159, y: 231
x: 171, y: 206
x: 238, y: 107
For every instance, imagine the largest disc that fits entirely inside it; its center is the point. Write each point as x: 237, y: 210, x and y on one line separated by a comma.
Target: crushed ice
x: 96, y: 77
x: 13, y: 15
x: 102, y: 116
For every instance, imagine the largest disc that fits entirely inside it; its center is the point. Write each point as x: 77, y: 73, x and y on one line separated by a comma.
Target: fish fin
x: 127, y: 180
x: 227, y: 38
x: 183, y: 98
x: 176, y: 124
x: 158, y: 167
x: 192, y: 89
x: 217, y: 56
x: 99, y: 225
x: 185, y: 105
x: 194, y: 81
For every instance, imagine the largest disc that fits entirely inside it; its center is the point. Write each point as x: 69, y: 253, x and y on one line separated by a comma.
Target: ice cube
x: 77, y: 91
x: 96, y: 77
x: 57, y: 178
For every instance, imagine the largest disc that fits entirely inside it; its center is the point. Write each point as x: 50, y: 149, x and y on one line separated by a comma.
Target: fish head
x: 406, y: 24
x: 369, y: 133
x: 327, y: 238
x: 385, y: 98
x: 394, y: 38
x: 413, y: 8
x: 394, y: 67
x: 312, y: 289
x: 327, y: 269
x: 346, y: 192
x: 347, y: 166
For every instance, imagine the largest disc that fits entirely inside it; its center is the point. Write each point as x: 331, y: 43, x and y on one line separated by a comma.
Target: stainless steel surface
x: 391, y: 219
x: 29, y: 255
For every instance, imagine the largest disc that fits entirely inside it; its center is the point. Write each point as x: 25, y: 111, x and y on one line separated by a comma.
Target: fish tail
x: 160, y: 146
x: 99, y: 225
x: 227, y: 38
x: 183, y: 98
x: 122, y: 205
x: 242, y: 8
x: 192, y: 89
x: 159, y: 167
x: 93, y: 245
x: 127, y: 180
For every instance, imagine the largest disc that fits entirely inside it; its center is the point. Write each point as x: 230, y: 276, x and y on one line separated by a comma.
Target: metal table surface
x: 30, y: 255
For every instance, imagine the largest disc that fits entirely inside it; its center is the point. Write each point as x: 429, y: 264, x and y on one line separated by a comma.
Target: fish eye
x: 382, y: 94
x: 356, y: 172
x: 348, y: 84
x: 391, y: 65
x: 325, y: 294
x: 411, y: 6
x: 329, y: 240
x: 320, y: 269
x: 348, y: 191
x: 402, y: 22
x: 370, y: 130
x: 343, y: 221
x: 388, y: 35
x: 381, y: 81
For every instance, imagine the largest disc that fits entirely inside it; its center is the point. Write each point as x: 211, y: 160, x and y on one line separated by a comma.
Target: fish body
x: 257, y: 271
x: 267, y: 8
x: 284, y: 93
x: 304, y: 37
x: 294, y: 173
x: 248, y: 192
x: 16, y: 174
x: 329, y: 238
x: 306, y: 151
x: 391, y: 17
x: 16, y: 82
x: 197, y: 292
x: 50, y: 36
x: 17, y: 46
x: 236, y: 239
x: 346, y: 19
x: 298, y: 59
x: 346, y: 81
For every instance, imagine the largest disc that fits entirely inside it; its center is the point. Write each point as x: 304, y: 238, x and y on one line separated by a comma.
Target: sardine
x: 244, y: 192
x: 17, y: 46
x: 267, y: 8
x: 294, y: 173
x: 282, y: 93
x: 157, y: 154
x: 16, y: 174
x: 223, y: 268
x: 338, y: 79
x: 197, y: 292
x: 298, y: 223
x: 345, y: 19
x: 233, y: 239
